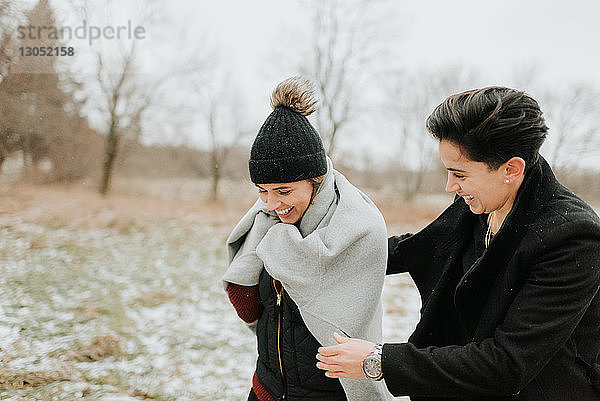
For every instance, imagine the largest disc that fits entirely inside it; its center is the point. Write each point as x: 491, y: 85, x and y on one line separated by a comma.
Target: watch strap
x: 375, y: 353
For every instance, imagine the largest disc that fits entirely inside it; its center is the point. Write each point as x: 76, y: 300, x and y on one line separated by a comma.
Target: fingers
x: 328, y: 360
x: 344, y: 360
x: 333, y: 349
x: 332, y: 370
x: 333, y: 374
x: 331, y: 361
x: 328, y: 366
x: 340, y: 339
x: 329, y: 351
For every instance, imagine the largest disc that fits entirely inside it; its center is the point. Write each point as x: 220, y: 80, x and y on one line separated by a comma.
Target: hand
x: 344, y: 360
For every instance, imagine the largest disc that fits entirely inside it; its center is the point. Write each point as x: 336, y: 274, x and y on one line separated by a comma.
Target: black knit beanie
x: 287, y: 147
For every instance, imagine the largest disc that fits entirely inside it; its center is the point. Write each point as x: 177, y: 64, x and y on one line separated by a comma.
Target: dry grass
x: 100, y: 348
x: 129, y: 205
x: 409, y: 216
x: 141, y: 395
x: 154, y: 298
x: 57, y: 206
x: 88, y: 310
x: 20, y: 380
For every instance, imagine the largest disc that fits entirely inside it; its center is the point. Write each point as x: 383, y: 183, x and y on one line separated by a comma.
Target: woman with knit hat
x: 307, y: 260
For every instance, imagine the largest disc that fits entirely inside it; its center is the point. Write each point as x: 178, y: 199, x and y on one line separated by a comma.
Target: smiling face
x: 289, y: 200
x: 485, y: 190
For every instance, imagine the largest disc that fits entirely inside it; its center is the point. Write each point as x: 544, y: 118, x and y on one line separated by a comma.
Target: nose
x: 272, y: 201
x: 452, y: 184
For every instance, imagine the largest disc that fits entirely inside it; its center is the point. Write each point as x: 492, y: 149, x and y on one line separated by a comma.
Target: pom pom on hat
x: 295, y: 93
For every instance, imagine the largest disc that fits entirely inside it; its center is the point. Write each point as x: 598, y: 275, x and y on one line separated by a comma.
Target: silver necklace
x: 488, y: 234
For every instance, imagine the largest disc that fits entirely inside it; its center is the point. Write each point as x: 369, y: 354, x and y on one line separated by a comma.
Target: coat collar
x: 537, y: 188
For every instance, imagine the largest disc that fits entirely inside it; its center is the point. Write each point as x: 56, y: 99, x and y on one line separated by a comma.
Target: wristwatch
x: 372, y: 363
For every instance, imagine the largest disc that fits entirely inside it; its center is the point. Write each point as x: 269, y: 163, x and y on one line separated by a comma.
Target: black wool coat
x: 520, y: 323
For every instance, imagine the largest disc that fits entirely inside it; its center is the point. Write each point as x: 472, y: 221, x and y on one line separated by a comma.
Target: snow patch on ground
x: 155, y: 289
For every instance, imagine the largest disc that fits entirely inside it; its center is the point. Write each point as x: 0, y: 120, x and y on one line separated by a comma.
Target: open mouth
x: 284, y: 212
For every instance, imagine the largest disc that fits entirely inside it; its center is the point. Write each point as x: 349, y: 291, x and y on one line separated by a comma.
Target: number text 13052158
x: 46, y: 51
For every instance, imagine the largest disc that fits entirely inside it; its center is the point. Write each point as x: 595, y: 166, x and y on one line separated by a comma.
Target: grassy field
x: 121, y: 298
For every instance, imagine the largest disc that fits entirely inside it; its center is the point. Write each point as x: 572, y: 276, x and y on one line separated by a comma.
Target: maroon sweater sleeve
x: 246, y: 301
x: 260, y: 391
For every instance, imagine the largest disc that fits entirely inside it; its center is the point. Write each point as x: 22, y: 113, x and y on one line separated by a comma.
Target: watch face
x: 372, y: 367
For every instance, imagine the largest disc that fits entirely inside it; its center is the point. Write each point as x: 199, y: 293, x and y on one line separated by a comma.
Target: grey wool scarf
x: 332, y: 265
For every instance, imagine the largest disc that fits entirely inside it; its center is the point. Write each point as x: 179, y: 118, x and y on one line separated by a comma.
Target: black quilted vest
x: 287, y: 351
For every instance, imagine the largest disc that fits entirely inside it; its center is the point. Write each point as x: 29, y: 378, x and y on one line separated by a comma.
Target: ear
x: 514, y: 169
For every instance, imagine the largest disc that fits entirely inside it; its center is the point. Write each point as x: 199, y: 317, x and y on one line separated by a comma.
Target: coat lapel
x: 438, y: 272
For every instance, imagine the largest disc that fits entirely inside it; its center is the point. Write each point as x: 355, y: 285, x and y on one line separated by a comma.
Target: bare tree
x: 410, y: 98
x: 125, y: 101
x: 126, y: 94
x: 224, y: 121
x: 571, y: 114
x: 570, y: 110
x: 343, y: 45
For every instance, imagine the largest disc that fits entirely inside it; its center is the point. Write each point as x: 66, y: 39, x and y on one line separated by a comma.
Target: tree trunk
x: 110, y: 155
x: 216, y: 175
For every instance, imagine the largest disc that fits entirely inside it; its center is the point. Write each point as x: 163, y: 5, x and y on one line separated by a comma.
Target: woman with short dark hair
x: 509, y: 274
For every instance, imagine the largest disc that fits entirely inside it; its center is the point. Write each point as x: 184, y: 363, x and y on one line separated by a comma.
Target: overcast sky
x: 496, y: 39
x: 498, y: 36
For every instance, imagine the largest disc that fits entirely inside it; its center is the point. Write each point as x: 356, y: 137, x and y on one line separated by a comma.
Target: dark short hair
x: 491, y: 125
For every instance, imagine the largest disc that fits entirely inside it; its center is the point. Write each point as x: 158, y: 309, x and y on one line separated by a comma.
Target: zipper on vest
x: 279, y: 294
